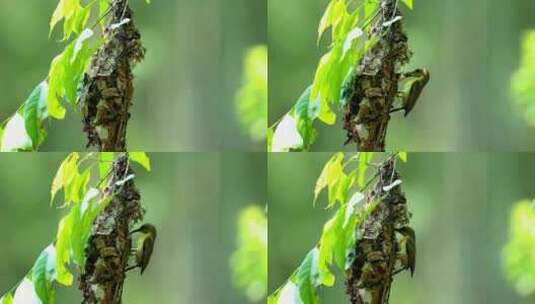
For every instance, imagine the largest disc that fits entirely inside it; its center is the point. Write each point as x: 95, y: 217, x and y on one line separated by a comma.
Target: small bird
x: 415, y: 81
x: 145, y: 246
x: 409, y: 242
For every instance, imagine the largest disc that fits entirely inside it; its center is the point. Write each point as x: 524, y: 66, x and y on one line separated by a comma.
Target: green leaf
x: 329, y: 247
x: 140, y: 158
x: 76, y: 188
x: 43, y: 275
x: 77, y: 241
x: 329, y: 177
x: 307, y: 278
x: 35, y: 111
x: 7, y: 299
x: 63, y: 247
x: 518, y: 255
x: 364, y: 159
x: 15, y: 138
x: 306, y: 113
x: 66, y: 71
x: 56, y: 89
x: 105, y: 160
x: 403, y: 156
x: 65, y: 174
x: 409, y: 3
x: 269, y: 139
x: 69, y: 11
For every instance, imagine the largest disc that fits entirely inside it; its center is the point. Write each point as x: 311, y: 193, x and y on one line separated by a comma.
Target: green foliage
x: 522, y: 84
x: 350, y: 41
x: 249, y: 262
x: 66, y: 71
x: 343, y: 177
x: 85, y: 184
x: 24, y: 130
x: 251, y: 99
x: 141, y: 158
x: 43, y: 274
x: 519, y: 254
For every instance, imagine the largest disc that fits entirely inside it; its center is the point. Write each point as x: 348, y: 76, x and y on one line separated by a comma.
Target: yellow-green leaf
x: 409, y: 3
x: 140, y: 158
x: 65, y: 174
x: 63, y: 247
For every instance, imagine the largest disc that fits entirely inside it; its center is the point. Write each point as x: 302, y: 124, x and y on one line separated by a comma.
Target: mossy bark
x: 107, y: 89
x: 379, y: 253
x: 375, y: 85
x: 105, y: 101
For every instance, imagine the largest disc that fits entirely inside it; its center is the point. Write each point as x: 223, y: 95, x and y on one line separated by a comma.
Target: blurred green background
x: 461, y: 204
x: 194, y: 200
x: 472, y: 49
x: 185, y: 88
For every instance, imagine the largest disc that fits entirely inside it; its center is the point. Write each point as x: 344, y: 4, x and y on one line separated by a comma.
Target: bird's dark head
x: 146, y: 229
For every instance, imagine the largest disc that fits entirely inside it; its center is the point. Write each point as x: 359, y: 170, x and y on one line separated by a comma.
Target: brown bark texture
x: 374, y: 86
x: 109, y: 247
x: 379, y: 252
x: 107, y: 90
x: 105, y: 100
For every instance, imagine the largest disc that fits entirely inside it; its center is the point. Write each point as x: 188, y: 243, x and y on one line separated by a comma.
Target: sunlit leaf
x: 364, y: 159
x: 331, y: 174
x: 409, y: 3
x: 403, y: 156
x: 105, y: 160
x: 519, y: 253
x: 35, y: 111
x: 7, y: 299
x: 63, y: 247
x: 43, y: 275
x: 65, y: 174
x: 140, y: 158
x: 307, y: 278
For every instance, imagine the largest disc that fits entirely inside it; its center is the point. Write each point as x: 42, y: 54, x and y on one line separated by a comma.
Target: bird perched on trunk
x: 412, y: 84
x: 145, y: 246
x: 408, y: 244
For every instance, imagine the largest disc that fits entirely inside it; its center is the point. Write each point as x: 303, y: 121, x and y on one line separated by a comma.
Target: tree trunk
x: 107, y: 88
x: 105, y: 101
x: 109, y: 246
x: 379, y: 253
x: 375, y: 84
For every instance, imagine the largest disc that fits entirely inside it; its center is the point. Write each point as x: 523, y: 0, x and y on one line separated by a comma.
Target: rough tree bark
x: 105, y: 99
x: 109, y: 246
x: 374, y: 87
x: 379, y: 255
x: 107, y: 88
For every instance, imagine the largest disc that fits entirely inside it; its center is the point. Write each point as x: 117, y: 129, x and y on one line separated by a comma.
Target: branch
x: 109, y: 245
x: 375, y: 84
x: 107, y: 89
x: 381, y: 246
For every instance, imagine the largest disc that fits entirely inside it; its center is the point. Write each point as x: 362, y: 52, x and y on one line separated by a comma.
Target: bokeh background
x: 194, y: 199
x: 461, y: 204
x: 471, y: 48
x: 185, y: 88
